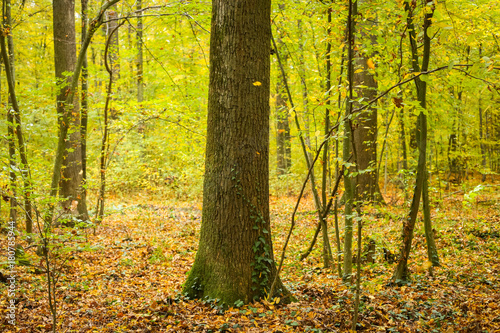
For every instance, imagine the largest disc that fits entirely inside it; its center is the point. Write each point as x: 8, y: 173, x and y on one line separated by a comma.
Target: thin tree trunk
x: 481, y: 139
x: 283, y: 138
x: 327, y: 250
x: 402, y: 133
x: 283, y: 143
x: 140, y: 59
x: 432, y: 254
x: 105, y: 135
x: 84, y: 110
x: 303, y: 82
x: 8, y: 60
x: 401, y: 273
x: 349, y: 181
x: 114, y: 49
x: 12, y: 165
x: 12, y: 147
x: 317, y: 199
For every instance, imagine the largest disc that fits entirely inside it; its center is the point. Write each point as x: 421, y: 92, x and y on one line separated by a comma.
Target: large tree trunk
x: 365, y: 135
x: 65, y: 62
x: 235, y: 258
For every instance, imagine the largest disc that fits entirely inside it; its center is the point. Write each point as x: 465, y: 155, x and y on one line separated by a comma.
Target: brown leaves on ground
x: 131, y: 280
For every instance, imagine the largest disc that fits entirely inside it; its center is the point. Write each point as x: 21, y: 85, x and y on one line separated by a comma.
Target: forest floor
x: 130, y: 279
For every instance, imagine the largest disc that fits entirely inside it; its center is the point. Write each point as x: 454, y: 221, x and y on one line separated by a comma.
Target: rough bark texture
x: 365, y: 135
x: 235, y: 256
x: 65, y: 62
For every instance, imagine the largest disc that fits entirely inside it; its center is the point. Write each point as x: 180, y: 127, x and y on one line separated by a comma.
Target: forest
x: 250, y: 166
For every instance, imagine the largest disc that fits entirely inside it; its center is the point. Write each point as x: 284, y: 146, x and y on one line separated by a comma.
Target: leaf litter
x: 132, y: 278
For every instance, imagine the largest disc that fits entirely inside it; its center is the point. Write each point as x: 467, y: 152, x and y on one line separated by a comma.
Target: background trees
x: 174, y: 81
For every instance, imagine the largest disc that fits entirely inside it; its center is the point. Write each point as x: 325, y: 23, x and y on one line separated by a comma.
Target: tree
x: 14, y: 124
x: 365, y: 135
x: 421, y: 183
x: 85, y: 99
x: 235, y: 260
x: 140, y: 58
x: 283, y: 138
x: 114, y: 41
x: 65, y: 62
x: 349, y: 180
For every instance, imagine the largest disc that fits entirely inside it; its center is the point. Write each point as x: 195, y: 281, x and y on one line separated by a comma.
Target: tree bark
x: 235, y: 260
x: 365, y: 136
x: 65, y: 62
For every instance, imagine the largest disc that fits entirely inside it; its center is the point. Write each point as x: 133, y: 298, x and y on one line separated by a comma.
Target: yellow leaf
x: 257, y: 83
x: 370, y: 64
x: 427, y: 264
